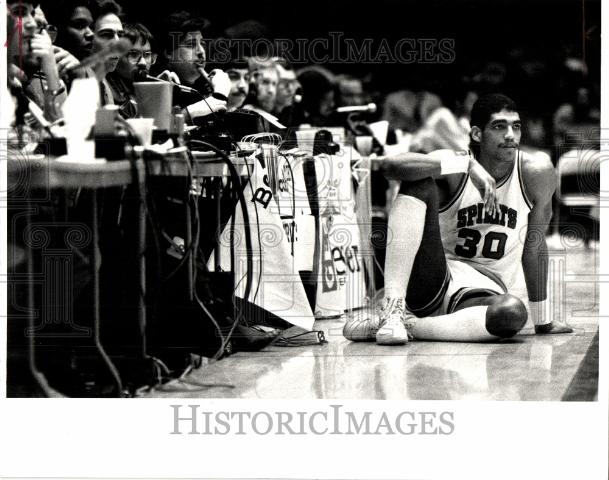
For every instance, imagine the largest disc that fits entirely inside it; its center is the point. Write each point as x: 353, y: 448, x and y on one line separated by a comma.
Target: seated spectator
x: 74, y: 23
x: 32, y: 68
x: 287, y: 87
x: 70, y: 29
x: 461, y: 102
x: 439, y: 126
x: 238, y: 72
x: 318, y: 96
x: 350, y: 91
x: 133, y: 66
x: 184, y: 60
x: 263, y: 89
x: 399, y: 110
x: 578, y: 116
x: 107, y: 28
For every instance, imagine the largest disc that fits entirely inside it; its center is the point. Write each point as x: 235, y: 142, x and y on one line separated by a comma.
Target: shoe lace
x: 397, y: 307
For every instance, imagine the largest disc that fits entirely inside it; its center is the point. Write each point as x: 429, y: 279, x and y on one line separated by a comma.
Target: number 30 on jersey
x: 493, y: 245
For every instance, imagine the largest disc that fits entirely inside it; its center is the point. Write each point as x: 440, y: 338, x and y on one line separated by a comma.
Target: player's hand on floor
x: 553, y: 328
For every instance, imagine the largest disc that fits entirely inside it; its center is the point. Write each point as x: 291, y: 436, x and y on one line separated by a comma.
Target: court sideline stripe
x: 584, y: 385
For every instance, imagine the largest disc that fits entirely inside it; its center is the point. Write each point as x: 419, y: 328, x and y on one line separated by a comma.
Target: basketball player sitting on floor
x: 456, y: 236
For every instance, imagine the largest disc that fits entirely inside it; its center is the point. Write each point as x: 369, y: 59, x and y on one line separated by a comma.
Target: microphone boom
x: 370, y: 108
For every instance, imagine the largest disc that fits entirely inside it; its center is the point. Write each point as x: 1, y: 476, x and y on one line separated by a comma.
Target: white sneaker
x: 393, y: 317
x: 362, y: 327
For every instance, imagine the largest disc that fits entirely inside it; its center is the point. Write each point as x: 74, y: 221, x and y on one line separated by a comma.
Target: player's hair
x: 482, y: 110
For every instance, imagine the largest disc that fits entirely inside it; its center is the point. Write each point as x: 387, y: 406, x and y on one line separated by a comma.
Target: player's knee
x: 421, y: 189
x: 505, y: 316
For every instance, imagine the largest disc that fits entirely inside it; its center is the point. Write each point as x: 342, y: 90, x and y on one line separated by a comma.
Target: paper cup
x: 154, y: 101
x: 143, y: 129
x: 81, y: 151
x: 379, y: 130
x: 306, y: 139
x: 364, y: 145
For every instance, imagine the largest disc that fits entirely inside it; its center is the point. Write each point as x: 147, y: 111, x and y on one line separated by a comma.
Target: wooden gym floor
x: 527, y: 367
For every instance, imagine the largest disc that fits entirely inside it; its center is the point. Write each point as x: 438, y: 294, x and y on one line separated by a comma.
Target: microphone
x: 210, y: 86
x: 141, y: 75
x: 370, y: 108
x: 115, y: 48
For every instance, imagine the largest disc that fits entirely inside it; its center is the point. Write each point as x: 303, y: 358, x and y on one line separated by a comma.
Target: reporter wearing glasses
x: 137, y: 61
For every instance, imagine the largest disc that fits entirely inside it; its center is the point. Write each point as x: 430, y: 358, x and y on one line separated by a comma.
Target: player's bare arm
x: 447, y: 167
x: 539, y: 178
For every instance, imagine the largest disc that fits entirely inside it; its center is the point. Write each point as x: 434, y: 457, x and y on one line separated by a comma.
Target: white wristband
x: 540, y: 312
x: 198, y: 109
x: 203, y: 107
x: 452, y: 162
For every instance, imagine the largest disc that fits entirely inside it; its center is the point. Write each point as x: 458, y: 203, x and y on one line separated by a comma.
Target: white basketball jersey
x: 492, y: 244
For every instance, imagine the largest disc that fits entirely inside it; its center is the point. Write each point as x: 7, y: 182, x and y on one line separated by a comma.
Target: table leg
x: 141, y: 235
x: 31, y: 335
x: 96, y: 315
x: 193, y: 255
x: 217, y: 258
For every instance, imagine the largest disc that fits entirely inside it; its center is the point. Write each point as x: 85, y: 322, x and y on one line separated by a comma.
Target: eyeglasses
x: 134, y: 56
x: 50, y: 29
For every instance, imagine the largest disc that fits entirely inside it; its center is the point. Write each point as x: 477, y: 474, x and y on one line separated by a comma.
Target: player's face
x: 501, y: 136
